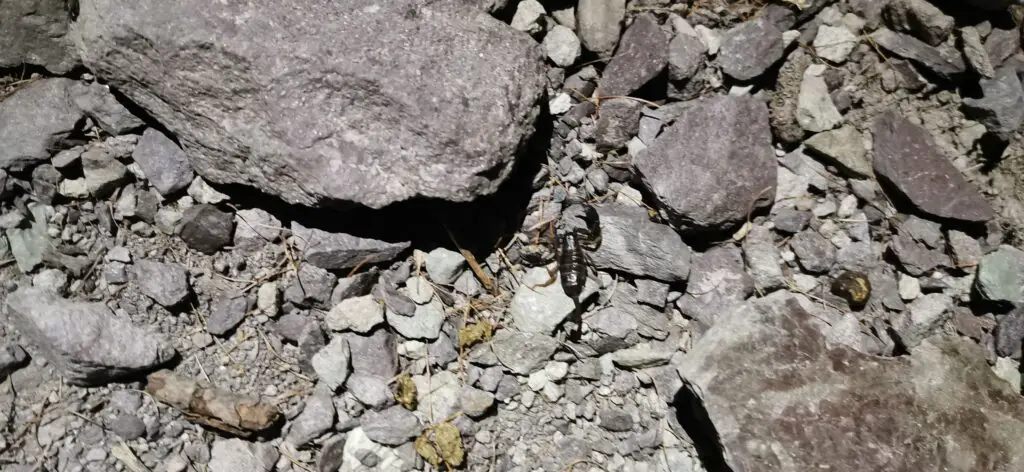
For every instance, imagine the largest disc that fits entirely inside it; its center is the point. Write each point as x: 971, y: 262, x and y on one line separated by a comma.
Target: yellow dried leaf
x: 405, y: 392
x: 742, y: 232
x: 426, y: 449
x: 449, y: 442
x: 474, y: 333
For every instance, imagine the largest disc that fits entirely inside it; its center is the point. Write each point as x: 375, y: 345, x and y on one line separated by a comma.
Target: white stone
x: 359, y: 314
x: 527, y: 14
x: 834, y: 43
x: 815, y: 110
x: 909, y: 287
x: 267, y: 299
x: 560, y: 104
x: 711, y: 39
x: 562, y: 46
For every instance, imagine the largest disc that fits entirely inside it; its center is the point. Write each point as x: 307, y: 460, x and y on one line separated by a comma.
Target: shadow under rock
x: 694, y: 419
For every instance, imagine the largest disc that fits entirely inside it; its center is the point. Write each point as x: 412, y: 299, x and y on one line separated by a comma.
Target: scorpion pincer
x: 578, y: 228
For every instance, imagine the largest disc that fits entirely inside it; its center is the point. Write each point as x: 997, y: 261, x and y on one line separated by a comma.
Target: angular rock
x: 103, y: 172
x: 724, y: 145
x: 974, y: 52
x: 128, y: 427
x: 312, y: 286
x: 834, y: 43
x: 1001, y: 44
x: 923, y: 318
x: 375, y: 354
x: 317, y: 418
x: 651, y: 292
x: 632, y: 243
x: 360, y: 450
x: 751, y: 48
x: 717, y: 282
x: 843, y: 147
x: 562, y: 46
x: 206, y: 228
x: 444, y: 265
x: 165, y: 283
x: 96, y: 101
x: 748, y: 382
x: 763, y: 260
x: 202, y: 192
x: 392, y: 427
x: 295, y: 135
x: 907, y: 158
x: 311, y: 341
x: 424, y: 324
x: 475, y: 403
x: 815, y: 253
x: 522, y: 353
x: 331, y: 363
x: 599, y: 24
x: 614, y: 328
x: 614, y: 419
x: 1001, y: 106
x: 359, y: 314
x: 641, y: 56
x: 29, y: 244
x: 815, y: 111
x: 920, y: 18
x: 618, y: 123
x: 643, y: 356
x: 370, y: 390
x: 255, y: 228
x: 529, y: 16
x: 230, y: 455
x: 336, y: 251
x: 89, y: 344
x: 540, y: 309
x: 164, y: 163
x: 927, y: 232
x: 438, y: 395
x: 1000, y: 276
x: 34, y: 121
x: 36, y: 33
x: 966, y: 250
x: 225, y: 314
x: 943, y: 62
x: 686, y: 55
x: 1009, y: 333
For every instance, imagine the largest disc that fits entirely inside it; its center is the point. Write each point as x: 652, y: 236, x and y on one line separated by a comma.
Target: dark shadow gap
x: 694, y: 419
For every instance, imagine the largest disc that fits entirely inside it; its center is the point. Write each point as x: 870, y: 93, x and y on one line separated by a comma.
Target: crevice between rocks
x: 696, y: 421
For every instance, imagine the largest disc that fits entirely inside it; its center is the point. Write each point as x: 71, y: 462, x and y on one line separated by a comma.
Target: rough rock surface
x: 89, y: 343
x: 600, y: 22
x: 642, y: 55
x: 36, y: 33
x: 632, y: 243
x: 34, y: 120
x: 724, y: 145
x: 765, y: 370
x: 907, y: 158
x: 164, y: 163
x: 748, y: 50
x: 261, y: 107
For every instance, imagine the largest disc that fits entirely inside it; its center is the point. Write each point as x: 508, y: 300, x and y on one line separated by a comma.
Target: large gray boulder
x: 322, y: 102
x: 86, y: 340
x: 35, y: 32
x: 34, y: 122
x: 777, y: 396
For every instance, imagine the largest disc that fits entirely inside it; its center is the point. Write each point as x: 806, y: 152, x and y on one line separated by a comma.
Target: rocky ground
x: 221, y: 251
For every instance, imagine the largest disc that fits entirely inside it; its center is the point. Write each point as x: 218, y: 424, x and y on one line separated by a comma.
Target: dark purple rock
x: 751, y: 48
x: 943, y: 62
x: 723, y: 147
x: 225, y: 314
x: 641, y: 56
x: 1010, y: 333
x: 911, y: 163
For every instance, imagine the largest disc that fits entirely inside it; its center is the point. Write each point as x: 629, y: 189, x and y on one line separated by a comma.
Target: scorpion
x: 578, y: 228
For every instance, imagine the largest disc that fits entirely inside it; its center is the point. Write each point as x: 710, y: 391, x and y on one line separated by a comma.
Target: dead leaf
x: 202, y: 403
x: 405, y: 392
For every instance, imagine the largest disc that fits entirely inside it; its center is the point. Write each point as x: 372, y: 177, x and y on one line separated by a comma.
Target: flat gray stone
x: 907, y: 158
x: 753, y: 382
x: 599, y: 23
x: 686, y: 55
x: 562, y: 46
x: 231, y: 455
x: 834, y: 43
x: 317, y: 418
x: 165, y: 283
x: 843, y: 147
x: 764, y: 263
x: 370, y: 390
x: 1009, y: 333
x: 1001, y: 44
x: 331, y: 363
x: 717, y: 282
x: 444, y: 265
x: 206, y: 228
x: 29, y: 244
x: 641, y: 56
x: 966, y: 250
x: 920, y: 18
x: 103, y: 172
x: 392, y: 427
x: 1000, y: 276
x: 815, y: 253
x: 36, y: 33
x: 724, y: 144
x: 975, y: 53
x: 615, y: 419
x: 1001, y: 106
x: 312, y: 286
x: 924, y: 317
x: 86, y: 341
x: 522, y: 353
x: 359, y: 314
x: 225, y: 314
x: 632, y: 243
x: 815, y: 111
x: 438, y: 395
x: 255, y: 228
x: 359, y: 450
x: 943, y: 62
x: 619, y: 121
x: 528, y: 17
x: 475, y: 403
x: 34, y: 121
x: 164, y: 163
x: 96, y: 101
x: 643, y: 356
x: 424, y: 324
x: 375, y: 354
x: 337, y: 251
x: 128, y: 427
x: 750, y: 48
x: 651, y: 292
x: 540, y: 309
x: 258, y: 110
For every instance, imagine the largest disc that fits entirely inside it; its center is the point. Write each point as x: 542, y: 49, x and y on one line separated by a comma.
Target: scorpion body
x: 578, y: 228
